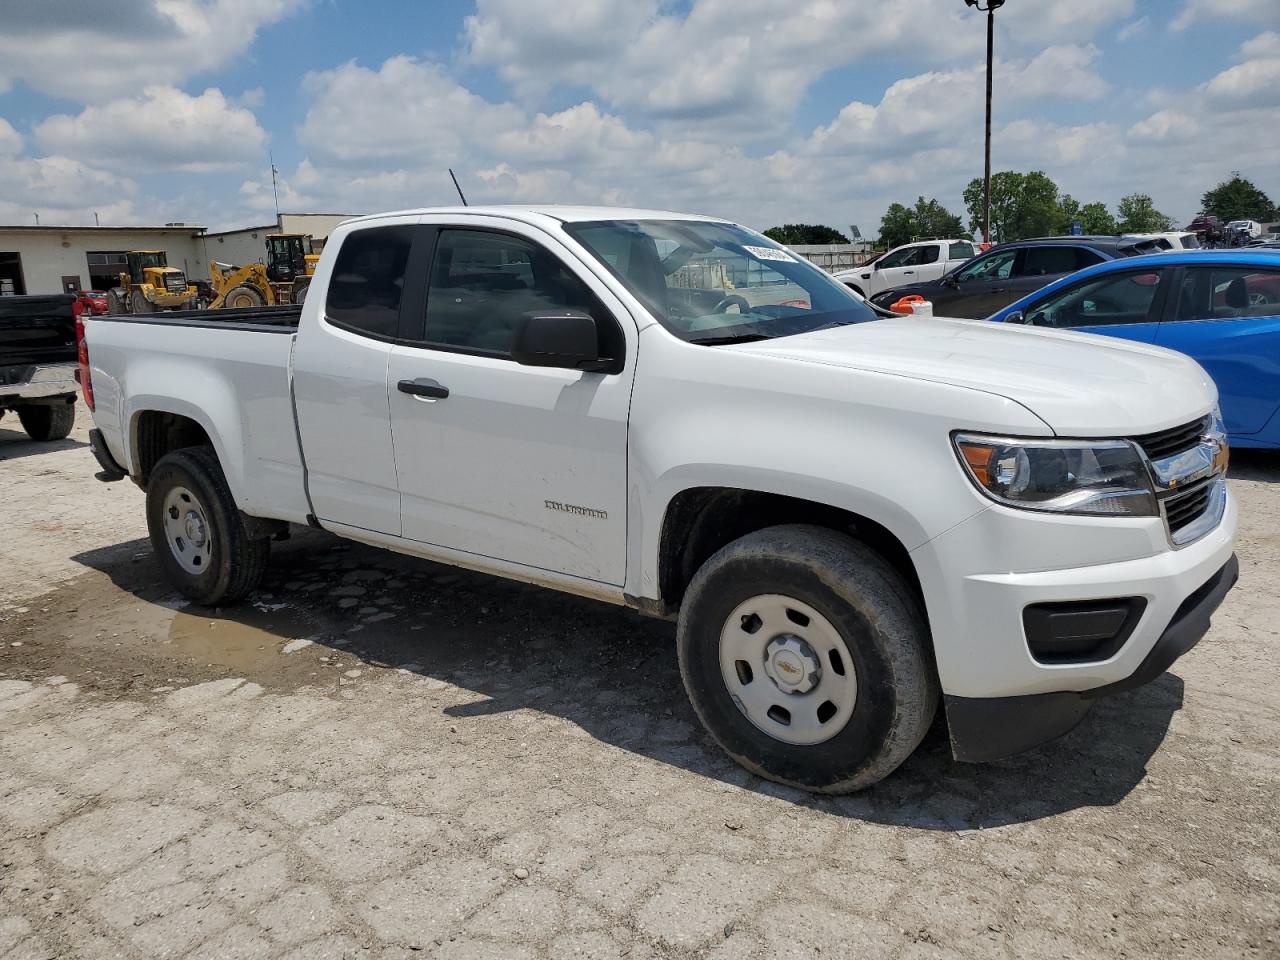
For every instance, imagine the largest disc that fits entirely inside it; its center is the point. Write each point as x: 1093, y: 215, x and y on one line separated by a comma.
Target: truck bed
x: 227, y: 368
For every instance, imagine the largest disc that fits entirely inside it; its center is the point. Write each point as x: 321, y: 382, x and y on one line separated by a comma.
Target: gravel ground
x: 383, y: 757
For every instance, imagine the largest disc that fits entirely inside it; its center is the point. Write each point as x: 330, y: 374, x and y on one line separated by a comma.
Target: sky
x: 762, y: 111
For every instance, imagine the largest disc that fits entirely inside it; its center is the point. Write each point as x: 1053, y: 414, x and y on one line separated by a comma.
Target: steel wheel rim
x: 187, y: 531
x: 788, y: 669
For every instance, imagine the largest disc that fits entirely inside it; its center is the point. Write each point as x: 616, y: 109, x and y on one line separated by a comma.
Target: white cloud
x: 1135, y: 28
x: 163, y: 129
x: 1264, y: 11
x: 10, y: 139
x: 1263, y: 45
x: 738, y: 63
x: 91, y: 51
x: 1061, y: 21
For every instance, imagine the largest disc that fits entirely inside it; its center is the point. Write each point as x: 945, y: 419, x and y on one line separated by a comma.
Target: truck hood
x: 1081, y: 385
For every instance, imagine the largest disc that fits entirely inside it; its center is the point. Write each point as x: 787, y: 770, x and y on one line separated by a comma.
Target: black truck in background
x: 38, y: 363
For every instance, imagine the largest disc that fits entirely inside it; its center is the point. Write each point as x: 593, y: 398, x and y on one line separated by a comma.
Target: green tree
x: 793, y: 234
x: 1139, y: 215
x: 1238, y: 199
x: 1022, y: 204
x: 928, y: 218
x: 1068, y: 211
x: 1095, y: 218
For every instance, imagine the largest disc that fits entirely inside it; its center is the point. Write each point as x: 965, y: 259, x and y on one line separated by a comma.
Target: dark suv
x: 1010, y: 271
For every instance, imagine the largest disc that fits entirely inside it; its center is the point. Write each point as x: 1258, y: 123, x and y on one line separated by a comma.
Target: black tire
x: 139, y: 304
x: 47, y: 421
x: 115, y: 304
x: 243, y: 296
x: 876, y: 615
x: 237, y: 562
x: 300, y: 287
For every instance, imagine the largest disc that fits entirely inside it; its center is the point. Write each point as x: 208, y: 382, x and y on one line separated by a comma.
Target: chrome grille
x: 1186, y: 506
x: 1168, y: 443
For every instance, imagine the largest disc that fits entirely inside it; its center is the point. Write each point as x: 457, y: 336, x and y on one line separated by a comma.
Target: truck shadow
x: 15, y: 444
x: 614, y: 674
x: 1258, y: 465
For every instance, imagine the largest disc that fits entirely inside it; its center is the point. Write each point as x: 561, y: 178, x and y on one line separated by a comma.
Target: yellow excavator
x: 291, y: 263
x: 237, y: 287
x: 150, y: 285
x: 284, y: 278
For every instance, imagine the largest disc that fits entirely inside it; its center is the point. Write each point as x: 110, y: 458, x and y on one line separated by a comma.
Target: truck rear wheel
x: 805, y: 655
x: 243, y: 296
x: 198, y: 533
x: 138, y: 303
x: 47, y: 421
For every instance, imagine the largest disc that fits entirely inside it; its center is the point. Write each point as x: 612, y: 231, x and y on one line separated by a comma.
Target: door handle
x: 906, y: 273
x: 424, y: 388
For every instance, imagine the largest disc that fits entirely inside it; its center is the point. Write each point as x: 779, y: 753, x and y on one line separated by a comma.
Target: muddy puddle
x: 251, y: 637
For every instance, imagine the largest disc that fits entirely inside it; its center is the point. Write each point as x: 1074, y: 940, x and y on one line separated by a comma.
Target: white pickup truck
x: 909, y: 263
x: 851, y: 516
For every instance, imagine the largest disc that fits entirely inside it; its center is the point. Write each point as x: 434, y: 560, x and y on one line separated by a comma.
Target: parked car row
x: 1220, y: 307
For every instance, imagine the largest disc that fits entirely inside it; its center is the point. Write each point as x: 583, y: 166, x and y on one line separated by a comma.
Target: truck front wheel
x: 805, y: 655
x: 196, y: 531
x: 47, y: 421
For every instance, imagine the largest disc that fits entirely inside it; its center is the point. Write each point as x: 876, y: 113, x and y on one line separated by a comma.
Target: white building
x: 50, y: 259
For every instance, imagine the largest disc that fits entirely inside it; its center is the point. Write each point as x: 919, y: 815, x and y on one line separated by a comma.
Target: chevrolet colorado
x: 851, y: 517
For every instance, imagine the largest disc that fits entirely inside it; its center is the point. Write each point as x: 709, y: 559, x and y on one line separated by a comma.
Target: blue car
x: 1220, y: 307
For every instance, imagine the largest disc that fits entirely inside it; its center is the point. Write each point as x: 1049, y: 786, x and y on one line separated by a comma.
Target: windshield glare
x: 718, y: 282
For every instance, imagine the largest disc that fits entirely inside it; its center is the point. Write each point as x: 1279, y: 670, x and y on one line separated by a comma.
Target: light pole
x: 990, y: 10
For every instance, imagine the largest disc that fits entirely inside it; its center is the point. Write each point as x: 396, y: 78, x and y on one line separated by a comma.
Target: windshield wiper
x: 733, y: 338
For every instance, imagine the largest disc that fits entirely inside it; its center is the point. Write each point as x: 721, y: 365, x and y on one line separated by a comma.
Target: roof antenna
x: 458, y: 188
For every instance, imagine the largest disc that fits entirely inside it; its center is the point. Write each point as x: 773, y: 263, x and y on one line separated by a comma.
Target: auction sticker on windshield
x: 769, y: 253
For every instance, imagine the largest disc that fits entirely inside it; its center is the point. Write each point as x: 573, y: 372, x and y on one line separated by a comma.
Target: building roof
x: 90, y: 228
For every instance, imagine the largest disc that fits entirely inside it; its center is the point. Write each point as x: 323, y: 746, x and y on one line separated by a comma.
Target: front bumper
x: 989, y: 728
x: 36, y: 381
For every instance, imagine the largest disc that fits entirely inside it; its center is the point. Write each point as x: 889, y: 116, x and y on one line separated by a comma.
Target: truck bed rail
x: 282, y: 319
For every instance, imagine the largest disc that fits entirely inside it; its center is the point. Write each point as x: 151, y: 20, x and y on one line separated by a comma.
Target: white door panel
x: 523, y: 464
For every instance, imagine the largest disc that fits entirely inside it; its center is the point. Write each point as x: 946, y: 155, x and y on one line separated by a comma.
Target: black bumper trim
x: 111, y: 471
x: 992, y: 728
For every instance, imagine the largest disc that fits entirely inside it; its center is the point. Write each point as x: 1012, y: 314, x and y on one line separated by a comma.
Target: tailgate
x: 37, y: 329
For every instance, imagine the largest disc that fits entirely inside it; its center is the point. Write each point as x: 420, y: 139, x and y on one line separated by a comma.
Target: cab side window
x: 1111, y: 300
x: 1224, y: 293
x: 928, y: 254
x: 368, y: 281
x: 1047, y: 261
x: 960, y: 250
x: 997, y: 265
x: 483, y: 282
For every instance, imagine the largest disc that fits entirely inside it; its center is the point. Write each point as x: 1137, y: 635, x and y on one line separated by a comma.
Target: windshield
x: 718, y: 282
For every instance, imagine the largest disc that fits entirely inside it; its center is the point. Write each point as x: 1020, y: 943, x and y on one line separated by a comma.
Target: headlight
x: 1104, y: 478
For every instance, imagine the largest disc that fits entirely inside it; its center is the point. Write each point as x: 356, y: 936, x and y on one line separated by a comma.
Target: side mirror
x: 1016, y: 317
x: 1038, y: 319
x: 951, y: 281
x: 558, y: 338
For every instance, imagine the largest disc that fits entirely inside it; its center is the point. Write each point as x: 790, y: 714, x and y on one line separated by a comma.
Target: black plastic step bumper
x: 991, y: 728
x: 111, y: 471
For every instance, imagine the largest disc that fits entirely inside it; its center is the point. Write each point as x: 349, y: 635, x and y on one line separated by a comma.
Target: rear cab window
x: 367, y: 283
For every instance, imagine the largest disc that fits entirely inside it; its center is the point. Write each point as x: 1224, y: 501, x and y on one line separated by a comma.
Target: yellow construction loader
x: 150, y: 285
x: 246, y: 286
x: 290, y: 265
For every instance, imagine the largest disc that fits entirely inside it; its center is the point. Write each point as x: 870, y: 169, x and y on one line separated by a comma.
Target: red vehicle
x: 92, y: 302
